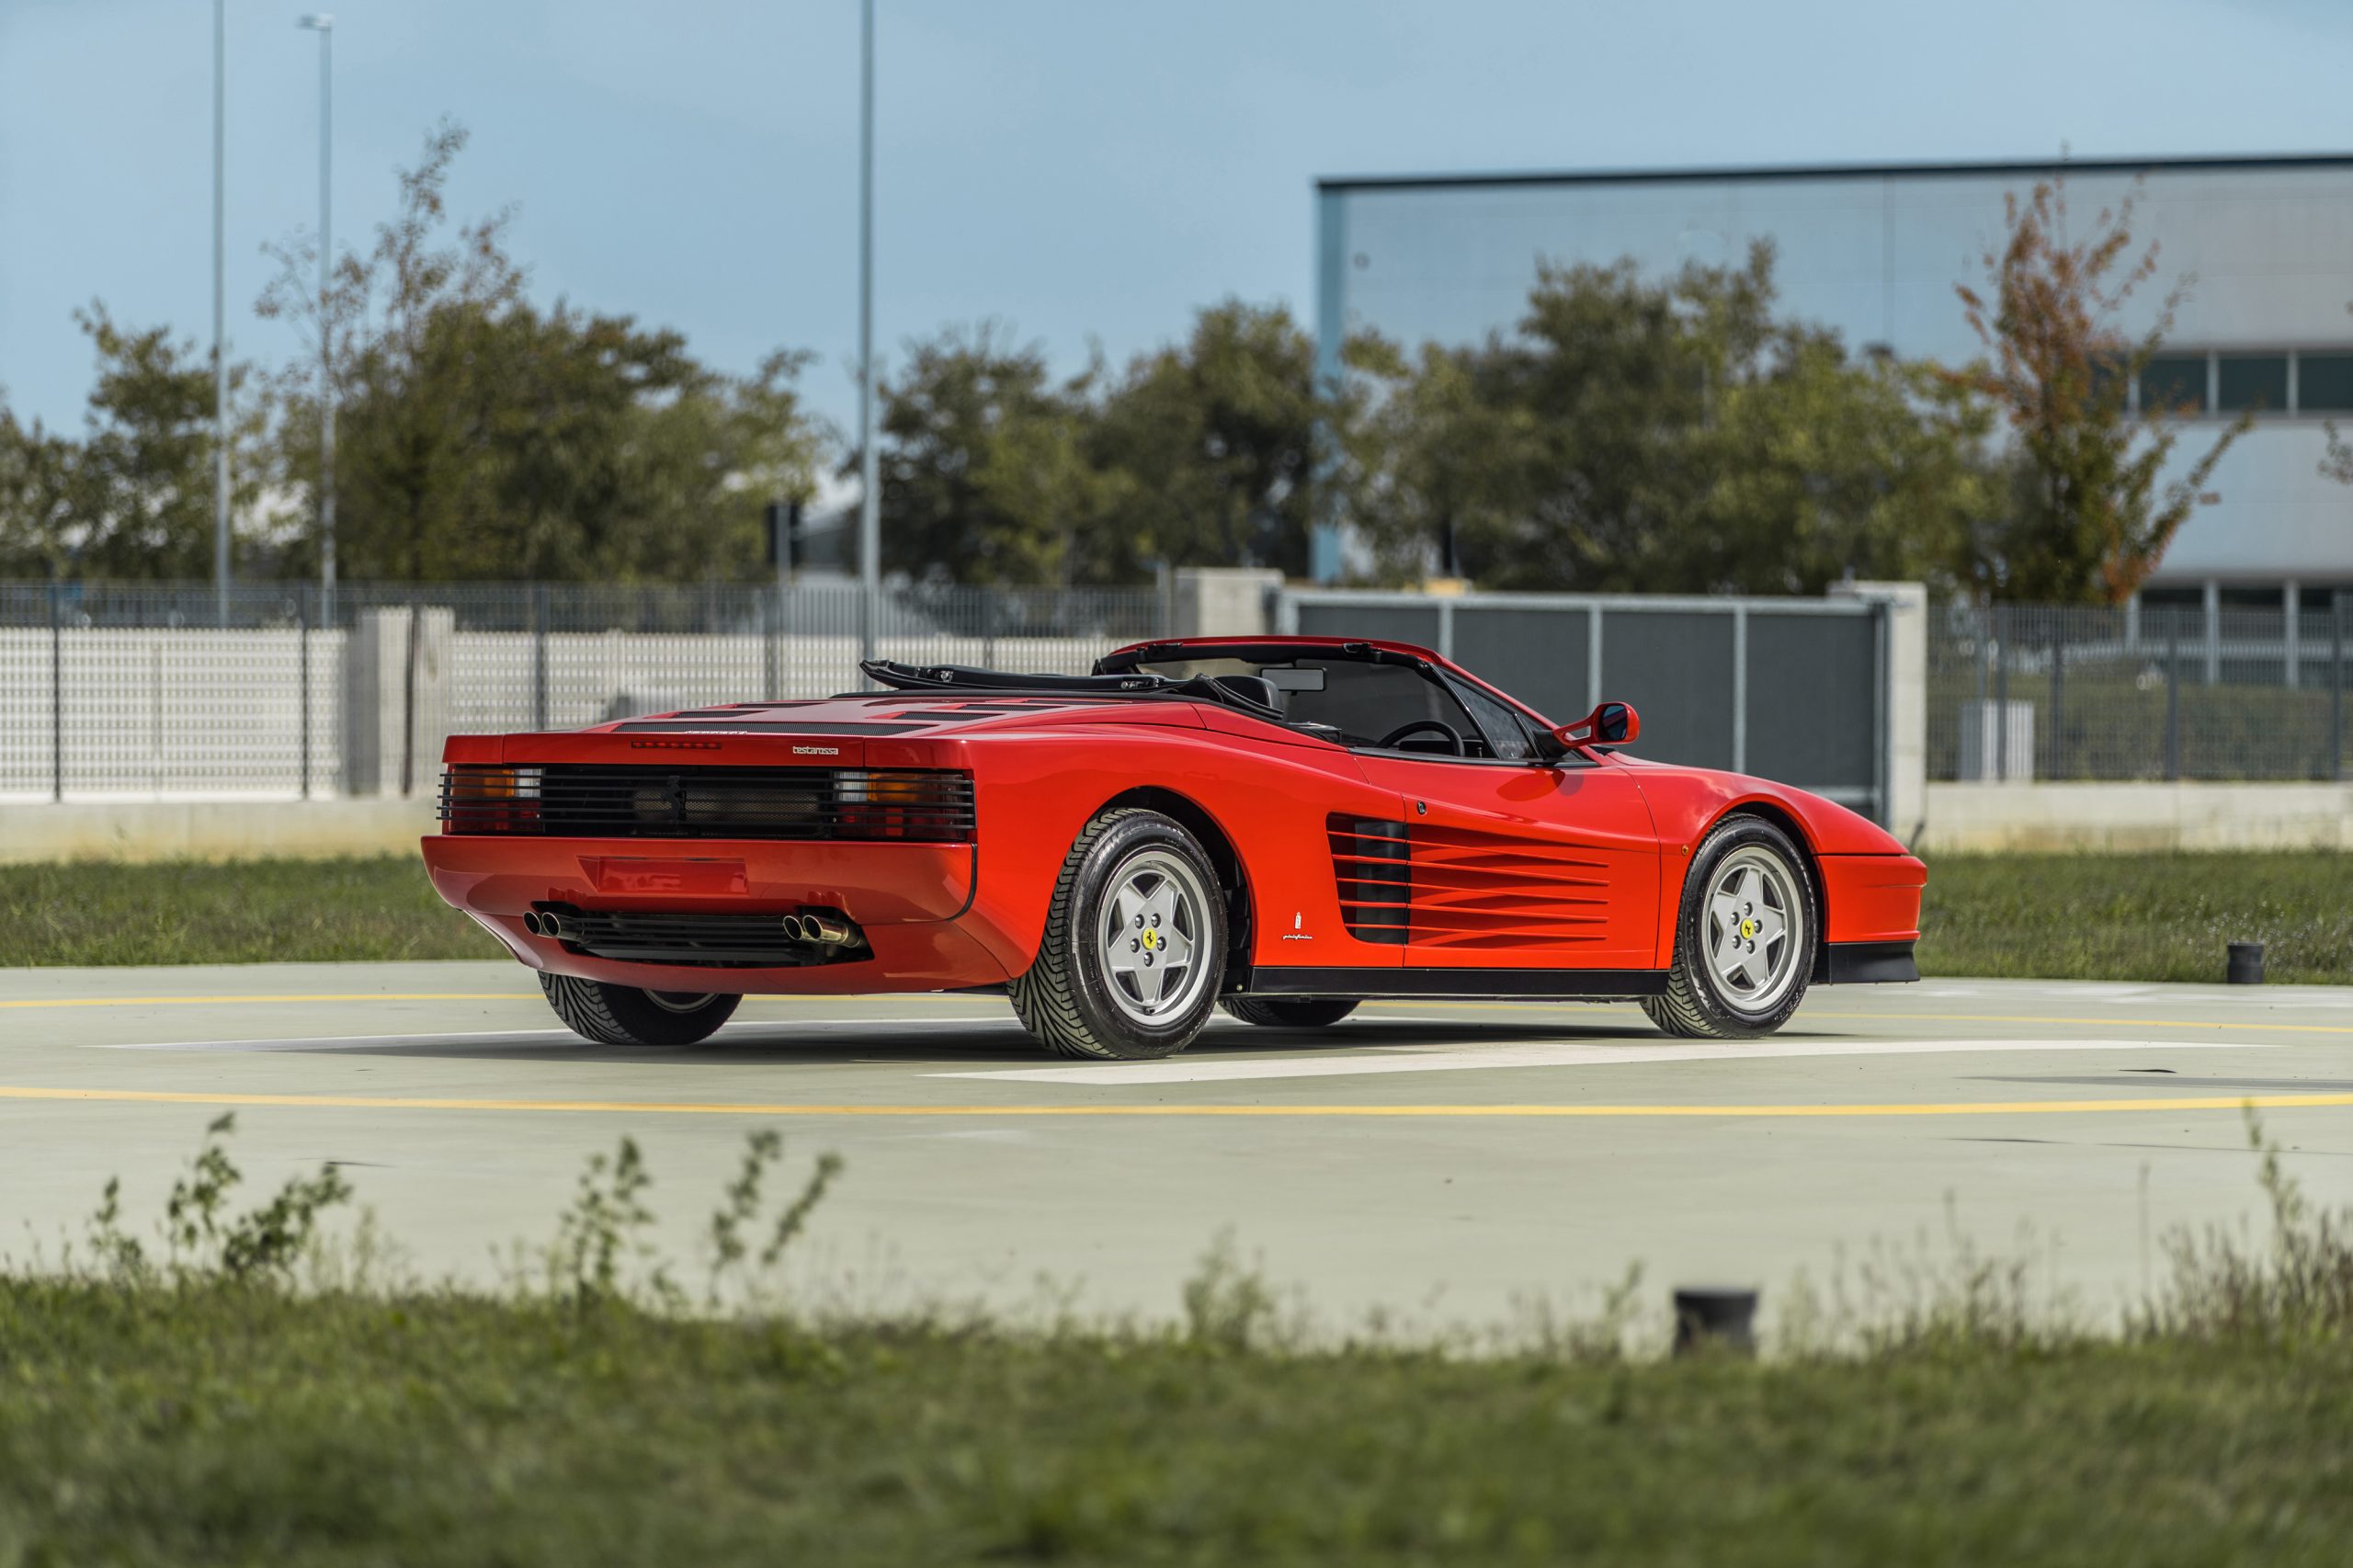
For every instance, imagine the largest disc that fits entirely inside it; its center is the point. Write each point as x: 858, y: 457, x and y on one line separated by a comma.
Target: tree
x: 1214, y: 444
x: 135, y: 497
x: 2088, y: 518
x: 985, y: 476
x: 2337, y: 464
x: 1640, y: 434
x: 481, y: 436
x: 37, y: 477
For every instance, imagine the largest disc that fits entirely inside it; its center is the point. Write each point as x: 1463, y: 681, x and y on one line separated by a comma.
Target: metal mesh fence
x: 2023, y: 692
x: 150, y: 690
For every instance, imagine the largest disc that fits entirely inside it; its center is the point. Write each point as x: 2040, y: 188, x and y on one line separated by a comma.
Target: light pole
x: 220, y: 314
x: 322, y: 23
x: 870, y: 507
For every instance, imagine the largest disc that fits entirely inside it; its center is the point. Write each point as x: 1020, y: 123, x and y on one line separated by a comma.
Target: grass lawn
x: 251, y: 911
x: 2049, y: 916
x: 222, y: 1424
x: 2137, y: 916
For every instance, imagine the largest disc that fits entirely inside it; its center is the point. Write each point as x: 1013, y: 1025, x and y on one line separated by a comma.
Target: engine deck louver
x: 1433, y: 887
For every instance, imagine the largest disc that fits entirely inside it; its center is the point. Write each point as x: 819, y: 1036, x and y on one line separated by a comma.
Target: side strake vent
x: 1460, y: 888
x: 1370, y: 859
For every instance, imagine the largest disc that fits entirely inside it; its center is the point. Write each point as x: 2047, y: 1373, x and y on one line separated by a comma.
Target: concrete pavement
x: 1443, y: 1162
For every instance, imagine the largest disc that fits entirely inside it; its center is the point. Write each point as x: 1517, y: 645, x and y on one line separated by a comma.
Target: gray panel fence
x: 1789, y: 689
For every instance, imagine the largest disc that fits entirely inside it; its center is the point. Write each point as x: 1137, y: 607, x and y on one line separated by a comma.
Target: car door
x: 1523, y: 863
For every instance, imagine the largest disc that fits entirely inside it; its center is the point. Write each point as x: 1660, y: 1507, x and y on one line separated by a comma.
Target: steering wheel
x: 1440, y: 726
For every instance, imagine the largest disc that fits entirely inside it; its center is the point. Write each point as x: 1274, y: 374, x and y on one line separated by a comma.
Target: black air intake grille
x: 592, y: 801
x: 1372, y: 861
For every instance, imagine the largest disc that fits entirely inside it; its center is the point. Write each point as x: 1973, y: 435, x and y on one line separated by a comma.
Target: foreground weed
x: 605, y: 1226
x: 2296, y: 1283
x: 740, y: 1210
x: 201, y: 1240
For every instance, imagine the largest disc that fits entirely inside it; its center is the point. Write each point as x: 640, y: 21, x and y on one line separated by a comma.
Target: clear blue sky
x: 1083, y: 169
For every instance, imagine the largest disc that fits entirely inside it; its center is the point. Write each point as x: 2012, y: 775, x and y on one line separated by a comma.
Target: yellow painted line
x: 674, y: 1107
x: 2037, y: 1019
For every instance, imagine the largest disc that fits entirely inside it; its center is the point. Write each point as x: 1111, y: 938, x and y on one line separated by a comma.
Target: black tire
x: 1701, y: 1001
x: 1290, y: 1013
x: 623, y: 1015
x: 1067, y: 998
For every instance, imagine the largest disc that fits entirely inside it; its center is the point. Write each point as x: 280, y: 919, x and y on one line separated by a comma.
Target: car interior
x: 1369, y: 706
x: 1362, y: 698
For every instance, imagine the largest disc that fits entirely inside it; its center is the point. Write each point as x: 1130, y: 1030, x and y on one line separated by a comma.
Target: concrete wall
x: 1224, y: 601
x: 2138, y: 818
x: 139, y: 831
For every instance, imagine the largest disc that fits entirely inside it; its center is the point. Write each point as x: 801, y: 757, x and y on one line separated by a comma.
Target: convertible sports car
x: 1281, y: 826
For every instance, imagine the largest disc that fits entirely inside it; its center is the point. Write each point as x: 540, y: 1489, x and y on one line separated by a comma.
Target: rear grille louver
x: 1426, y: 886
x: 596, y: 801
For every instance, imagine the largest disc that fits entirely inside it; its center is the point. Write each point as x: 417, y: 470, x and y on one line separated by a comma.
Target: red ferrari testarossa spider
x: 1283, y: 826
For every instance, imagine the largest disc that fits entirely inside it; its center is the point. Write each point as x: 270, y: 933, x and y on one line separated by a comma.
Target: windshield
x: 1361, y: 704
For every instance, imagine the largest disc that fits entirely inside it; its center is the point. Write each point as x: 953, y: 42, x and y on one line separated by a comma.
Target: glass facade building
x: 2266, y: 245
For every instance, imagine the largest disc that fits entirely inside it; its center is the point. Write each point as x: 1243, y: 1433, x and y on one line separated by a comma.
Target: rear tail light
x: 889, y: 805
x: 491, y: 800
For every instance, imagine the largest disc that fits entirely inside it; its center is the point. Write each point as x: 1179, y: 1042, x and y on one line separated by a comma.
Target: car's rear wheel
x: 1134, y: 948
x: 1745, y: 937
x: 624, y: 1014
x: 1289, y: 1012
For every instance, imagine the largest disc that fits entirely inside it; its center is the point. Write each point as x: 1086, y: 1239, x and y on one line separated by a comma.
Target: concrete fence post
x: 1221, y: 601
x: 56, y: 695
x: 396, y: 678
x: 1904, y: 741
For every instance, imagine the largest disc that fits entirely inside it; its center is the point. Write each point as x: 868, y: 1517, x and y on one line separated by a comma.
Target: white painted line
x: 1549, y: 1054
x: 734, y: 1032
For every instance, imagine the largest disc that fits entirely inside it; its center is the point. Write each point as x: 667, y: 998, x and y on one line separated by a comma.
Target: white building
x: 1876, y: 252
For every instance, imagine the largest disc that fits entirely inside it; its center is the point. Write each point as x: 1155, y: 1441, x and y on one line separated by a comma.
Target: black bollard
x: 1715, y: 1317
x: 2245, y: 967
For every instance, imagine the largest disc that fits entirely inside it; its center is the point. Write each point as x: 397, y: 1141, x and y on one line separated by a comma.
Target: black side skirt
x: 1553, y: 984
x: 1842, y: 964
x: 1865, y: 963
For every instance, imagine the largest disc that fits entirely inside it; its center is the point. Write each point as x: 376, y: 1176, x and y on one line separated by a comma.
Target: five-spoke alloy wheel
x: 1745, y: 937
x: 1134, y: 949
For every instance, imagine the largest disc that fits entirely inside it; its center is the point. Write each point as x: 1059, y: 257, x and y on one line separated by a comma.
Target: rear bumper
x: 911, y: 901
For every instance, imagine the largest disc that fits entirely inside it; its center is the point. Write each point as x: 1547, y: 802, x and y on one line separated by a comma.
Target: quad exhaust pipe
x: 818, y: 927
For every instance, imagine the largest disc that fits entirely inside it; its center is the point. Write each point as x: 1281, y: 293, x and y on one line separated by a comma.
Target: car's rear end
x: 722, y: 851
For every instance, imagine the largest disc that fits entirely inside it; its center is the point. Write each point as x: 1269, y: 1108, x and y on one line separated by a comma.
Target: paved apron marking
x: 1542, y: 1054
x: 734, y: 1035
x: 415, y: 997
x: 902, y: 997
x: 1826, y: 1014
x: 664, y: 1107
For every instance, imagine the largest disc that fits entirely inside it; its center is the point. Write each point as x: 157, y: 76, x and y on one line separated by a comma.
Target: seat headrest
x: 1252, y: 688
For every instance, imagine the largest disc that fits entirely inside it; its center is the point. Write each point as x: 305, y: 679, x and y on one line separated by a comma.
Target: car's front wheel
x: 1134, y: 947
x: 624, y: 1014
x: 1745, y: 936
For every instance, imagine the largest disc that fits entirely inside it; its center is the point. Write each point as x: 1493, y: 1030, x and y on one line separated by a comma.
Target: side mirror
x: 1612, y: 724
